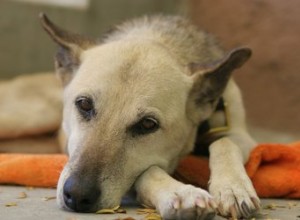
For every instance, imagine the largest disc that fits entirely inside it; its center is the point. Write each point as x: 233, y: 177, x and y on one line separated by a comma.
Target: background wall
x: 24, y: 46
x: 271, y: 80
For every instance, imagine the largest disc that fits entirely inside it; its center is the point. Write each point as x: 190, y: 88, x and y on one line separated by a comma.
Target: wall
x: 270, y: 81
x: 24, y: 46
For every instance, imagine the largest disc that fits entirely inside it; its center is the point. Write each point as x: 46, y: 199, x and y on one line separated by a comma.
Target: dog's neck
x: 212, y: 128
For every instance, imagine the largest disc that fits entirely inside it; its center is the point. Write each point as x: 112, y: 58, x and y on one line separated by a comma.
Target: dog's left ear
x: 211, y: 80
x: 67, y: 59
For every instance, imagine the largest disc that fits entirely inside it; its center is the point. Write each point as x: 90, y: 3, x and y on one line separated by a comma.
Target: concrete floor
x: 36, y: 206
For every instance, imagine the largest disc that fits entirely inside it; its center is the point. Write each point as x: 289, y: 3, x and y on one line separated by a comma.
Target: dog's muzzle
x: 80, y: 195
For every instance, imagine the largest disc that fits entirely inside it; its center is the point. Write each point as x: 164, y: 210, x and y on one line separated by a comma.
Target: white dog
x: 133, y: 103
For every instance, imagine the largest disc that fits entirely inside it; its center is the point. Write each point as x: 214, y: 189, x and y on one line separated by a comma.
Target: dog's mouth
x: 87, y: 190
x: 85, y: 196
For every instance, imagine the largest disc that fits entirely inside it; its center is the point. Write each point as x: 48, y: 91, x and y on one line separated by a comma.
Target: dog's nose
x: 80, y: 195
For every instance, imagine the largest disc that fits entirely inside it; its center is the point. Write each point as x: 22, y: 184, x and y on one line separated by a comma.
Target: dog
x: 133, y: 104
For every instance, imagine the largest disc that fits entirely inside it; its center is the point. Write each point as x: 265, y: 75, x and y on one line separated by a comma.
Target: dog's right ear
x: 67, y: 59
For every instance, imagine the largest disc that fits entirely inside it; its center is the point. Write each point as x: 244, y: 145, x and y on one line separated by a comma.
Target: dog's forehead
x: 143, y: 67
x: 126, y: 59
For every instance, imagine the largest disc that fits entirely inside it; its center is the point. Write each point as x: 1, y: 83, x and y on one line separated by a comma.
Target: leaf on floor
x: 47, y: 198
x: 292, y: 204
x: 126, y: 218
x: 29, y: 188
x: 151, y: 214
x: 11, y: 204
x: 114, y: 210
x: 22, y: 195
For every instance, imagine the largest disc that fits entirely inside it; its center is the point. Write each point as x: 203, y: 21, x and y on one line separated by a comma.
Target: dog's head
x: 128, y: 105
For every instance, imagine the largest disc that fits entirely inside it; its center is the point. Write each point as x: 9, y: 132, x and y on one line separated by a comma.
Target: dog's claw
x: 221, y: 209
x: 213, y: 204
x: 200, y: 203
x: 233, y: 212
x: 245, y: 210
x: 187, y: 202
x: 255, y: 202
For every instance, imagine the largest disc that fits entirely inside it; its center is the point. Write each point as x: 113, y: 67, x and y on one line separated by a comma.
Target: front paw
x: 186, y: 202
x: 236, y: 197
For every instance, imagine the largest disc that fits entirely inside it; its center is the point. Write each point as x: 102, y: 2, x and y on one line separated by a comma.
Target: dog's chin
x: 102, y: 203
x: 111, y: 195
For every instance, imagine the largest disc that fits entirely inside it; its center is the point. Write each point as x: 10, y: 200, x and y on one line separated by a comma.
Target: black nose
x: 80, y: 195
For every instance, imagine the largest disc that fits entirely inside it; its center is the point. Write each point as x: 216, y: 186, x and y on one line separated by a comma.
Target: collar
x: 213, y: 128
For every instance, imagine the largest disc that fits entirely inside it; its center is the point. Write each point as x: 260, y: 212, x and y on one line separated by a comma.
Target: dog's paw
x: 236, y: 197
x: 186, y: 202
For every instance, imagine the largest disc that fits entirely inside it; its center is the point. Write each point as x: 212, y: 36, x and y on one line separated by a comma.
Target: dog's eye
x: 146, y: 125
x: 85, y: 107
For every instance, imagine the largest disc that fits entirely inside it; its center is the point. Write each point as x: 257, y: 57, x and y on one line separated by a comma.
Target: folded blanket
x: 273, y: 168
x: 31, y: 169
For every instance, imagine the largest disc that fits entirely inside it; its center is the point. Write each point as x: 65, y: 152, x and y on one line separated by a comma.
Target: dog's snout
x: 79, y: 195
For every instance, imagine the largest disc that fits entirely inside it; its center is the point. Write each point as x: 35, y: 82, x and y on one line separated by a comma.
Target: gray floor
x: 36, y: 206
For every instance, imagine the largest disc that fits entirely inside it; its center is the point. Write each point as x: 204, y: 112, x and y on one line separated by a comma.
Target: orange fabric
x: 31, y: 169
x: 273, y: 168
x: 193, y: 170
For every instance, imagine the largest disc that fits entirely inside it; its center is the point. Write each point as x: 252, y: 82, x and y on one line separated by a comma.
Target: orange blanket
x: 273, y: 168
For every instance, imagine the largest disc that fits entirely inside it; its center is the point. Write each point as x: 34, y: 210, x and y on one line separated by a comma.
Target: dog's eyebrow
x: 143, y: 112
x: 149, y: 112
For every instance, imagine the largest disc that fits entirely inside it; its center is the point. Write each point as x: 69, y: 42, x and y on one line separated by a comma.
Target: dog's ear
x: 209, y: 81
x: 70, y: 46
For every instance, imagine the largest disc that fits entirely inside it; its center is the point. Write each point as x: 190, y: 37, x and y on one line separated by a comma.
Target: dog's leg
x: 173, y: 199
x: 229, y: 184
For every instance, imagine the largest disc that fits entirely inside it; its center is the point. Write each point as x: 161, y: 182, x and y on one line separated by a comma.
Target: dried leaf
x: 126, y: 218
x: 105, y: 211
x: 271, y: 206
x: 153, y: 216
x: 145, y: 211
x: 22, y: 195
x: 146, y: 206
x: 111, y: 211
x: 10, y: 204
x: 30, y: 188
x: 71, y: 218
x: 121, y: 211
x: 47, y: 198
x: 292, y: 204
x: 280, y: 206
x: 264, y: 213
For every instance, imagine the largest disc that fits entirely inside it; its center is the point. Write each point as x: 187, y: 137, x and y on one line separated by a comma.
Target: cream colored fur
x: 143, y: 69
